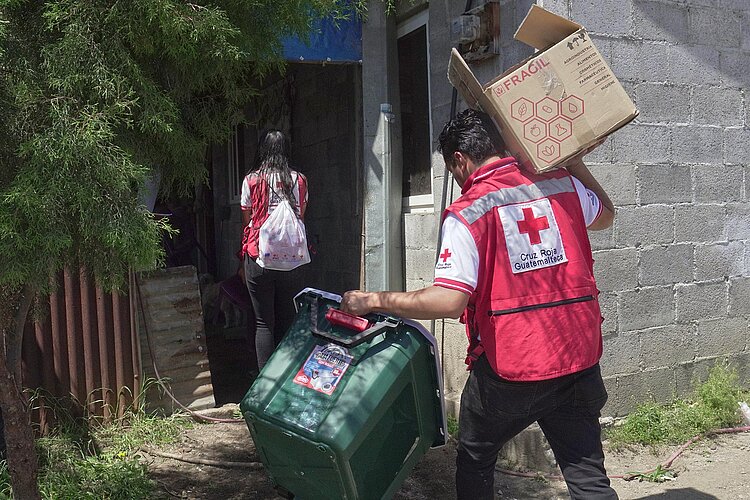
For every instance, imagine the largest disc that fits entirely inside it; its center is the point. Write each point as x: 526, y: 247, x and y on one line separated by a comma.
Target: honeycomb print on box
x: 547, y: 122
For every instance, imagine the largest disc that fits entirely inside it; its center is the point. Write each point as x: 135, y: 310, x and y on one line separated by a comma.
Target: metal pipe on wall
x: 127, y: 348
x: 44, y: 341
x: 135, y: 345
x: 59, y: 351
x: 386, y: 161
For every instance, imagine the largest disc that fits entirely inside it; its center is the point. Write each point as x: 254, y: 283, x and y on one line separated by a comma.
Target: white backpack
x: 282, y: 241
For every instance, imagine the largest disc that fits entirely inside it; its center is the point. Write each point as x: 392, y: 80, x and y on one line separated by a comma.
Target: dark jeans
x: 272, y: 294
x: 493, y: 410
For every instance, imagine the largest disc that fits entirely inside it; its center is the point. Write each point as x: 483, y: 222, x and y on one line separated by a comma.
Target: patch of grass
x: 84, y: 459
x: 712, y: 405
x: 67, y: 473
x: 6, y: 492
x: 69, y: 470
x: 140, y: 429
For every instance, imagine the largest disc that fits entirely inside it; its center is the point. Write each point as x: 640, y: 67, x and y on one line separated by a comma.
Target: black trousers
x: 493, y: 410
x: 272, y: 294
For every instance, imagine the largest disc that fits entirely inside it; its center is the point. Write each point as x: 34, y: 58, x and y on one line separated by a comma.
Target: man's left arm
x: 579, y: 170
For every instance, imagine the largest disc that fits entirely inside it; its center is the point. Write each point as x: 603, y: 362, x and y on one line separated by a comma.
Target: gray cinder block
x: 665, y: 184
x: 616, y: 269
x: 701, y: 223
x: 662, y: 265
x: 719, y: 260
x: 700, y: 301
x: 645, y: 308
x: 647, y: 225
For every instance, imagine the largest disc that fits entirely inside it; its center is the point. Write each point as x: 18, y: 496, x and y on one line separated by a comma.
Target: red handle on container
x: 350, y: 321
x: 364, y: 331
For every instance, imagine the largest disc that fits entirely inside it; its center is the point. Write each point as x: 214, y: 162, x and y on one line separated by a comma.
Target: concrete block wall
x: 674, y: 271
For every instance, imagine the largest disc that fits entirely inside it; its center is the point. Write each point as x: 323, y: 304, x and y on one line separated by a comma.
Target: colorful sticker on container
x: 324, y: 368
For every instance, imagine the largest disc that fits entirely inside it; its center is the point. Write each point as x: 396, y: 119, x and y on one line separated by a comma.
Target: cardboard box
x: 554, y: 104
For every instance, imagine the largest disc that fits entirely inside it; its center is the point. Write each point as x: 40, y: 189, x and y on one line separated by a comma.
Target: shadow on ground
x: 681, y: 494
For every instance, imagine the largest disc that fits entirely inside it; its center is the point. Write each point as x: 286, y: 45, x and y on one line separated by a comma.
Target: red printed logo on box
x: 548, y: 150
x: 560, y: 129
x: 522, y: 109
x: 571, y: 107
x: 547, y: 109
x: 547, y: 123
x: 535, y: 130
x: 534, y: 67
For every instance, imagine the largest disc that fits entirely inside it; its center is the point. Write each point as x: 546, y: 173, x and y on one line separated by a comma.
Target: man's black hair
x: 474, y: 134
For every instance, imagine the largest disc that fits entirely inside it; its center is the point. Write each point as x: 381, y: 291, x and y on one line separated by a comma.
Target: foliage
x: 712, y: 405
x: 95, y: 97
x: 141, y: 430
x: 89, y: 461
x: 66, y: 473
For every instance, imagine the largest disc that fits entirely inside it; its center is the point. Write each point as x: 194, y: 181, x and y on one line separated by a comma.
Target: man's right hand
x: 357, y: 302
x: 431, y: 302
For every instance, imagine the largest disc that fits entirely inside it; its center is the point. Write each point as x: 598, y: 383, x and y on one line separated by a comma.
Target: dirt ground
x: 717, y: 468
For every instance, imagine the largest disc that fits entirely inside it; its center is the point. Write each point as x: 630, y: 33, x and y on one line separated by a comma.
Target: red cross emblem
x: 532, y: 226
x: 445, y: 255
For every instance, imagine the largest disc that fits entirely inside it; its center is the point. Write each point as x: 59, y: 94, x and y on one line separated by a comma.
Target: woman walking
x: 270, y: 182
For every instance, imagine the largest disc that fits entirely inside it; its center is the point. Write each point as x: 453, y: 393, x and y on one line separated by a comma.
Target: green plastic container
x: 341, y: 414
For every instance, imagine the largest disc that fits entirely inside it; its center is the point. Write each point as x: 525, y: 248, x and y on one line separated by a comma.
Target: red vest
x: 535, y: 305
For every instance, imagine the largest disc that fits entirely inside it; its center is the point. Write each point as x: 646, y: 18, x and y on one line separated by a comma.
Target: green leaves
x: 712, y: 405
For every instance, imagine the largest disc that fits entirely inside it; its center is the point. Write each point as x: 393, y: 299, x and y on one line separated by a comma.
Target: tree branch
x: 204, y: 461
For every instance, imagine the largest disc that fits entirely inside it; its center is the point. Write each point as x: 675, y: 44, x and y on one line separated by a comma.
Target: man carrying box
x: 516, y: 265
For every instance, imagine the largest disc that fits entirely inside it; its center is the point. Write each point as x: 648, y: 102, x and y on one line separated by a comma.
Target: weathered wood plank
x: 172, y: 328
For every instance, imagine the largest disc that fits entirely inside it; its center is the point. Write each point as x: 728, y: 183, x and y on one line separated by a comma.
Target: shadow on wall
x: 709, y: 36
x: 662, y: 19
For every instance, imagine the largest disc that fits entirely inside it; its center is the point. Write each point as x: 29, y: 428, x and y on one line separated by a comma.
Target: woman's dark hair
x: 474, y: 134
x: 273, y: 158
